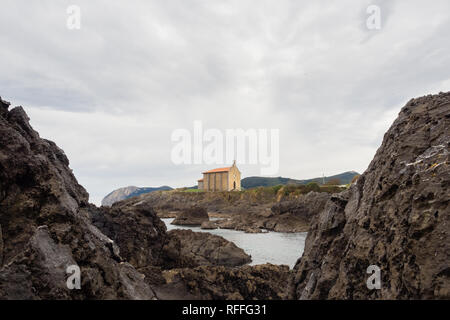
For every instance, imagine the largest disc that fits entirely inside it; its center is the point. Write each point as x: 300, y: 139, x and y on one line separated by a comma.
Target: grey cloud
x: 111, y: 93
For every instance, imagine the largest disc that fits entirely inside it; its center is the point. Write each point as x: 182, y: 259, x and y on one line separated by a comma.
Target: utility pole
x: 323, y: 178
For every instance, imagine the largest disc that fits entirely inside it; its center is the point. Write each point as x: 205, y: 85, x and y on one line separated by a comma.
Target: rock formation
x: 142, y: 239
x: 396, y: 216
x: 1, y: 247
x: 188, y: 249
x: 262, y: 282
x: 47, y: 225
x: 284, y: 216
x: 44, y: 227
x: 304, y: 207
x: 191, y: 216
x: 128, y: 192
x: 208, y: 225
x: 118, y: 195
x: 138, y: 232
x: 226, y: 202
x: 244, y: 211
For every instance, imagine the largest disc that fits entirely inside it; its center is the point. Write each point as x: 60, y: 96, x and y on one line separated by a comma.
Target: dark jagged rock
x: 396, y: 216
x: 45, y: 225
x: 304, y: 207
x: 136, y: 230
x: 296, y: 215
x: 40, y: 272
x: 1, y: 247
x: 188, y: 249
x: 191, y: 216
x: 285, y: 216
x: 4, y: 105
x: 261, y: 282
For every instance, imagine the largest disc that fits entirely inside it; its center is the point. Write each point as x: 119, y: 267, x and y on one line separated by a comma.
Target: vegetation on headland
x: 189, y: 190
x: 290, y: 190
x: 252, y: 182
x: 249, y: 183
x: 294, y: 189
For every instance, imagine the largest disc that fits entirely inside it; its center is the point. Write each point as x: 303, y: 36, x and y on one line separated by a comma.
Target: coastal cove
x: 268, y: 247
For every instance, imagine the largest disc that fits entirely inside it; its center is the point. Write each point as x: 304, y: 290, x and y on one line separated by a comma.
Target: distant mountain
x: 129, y: 192
x: 253, y: 182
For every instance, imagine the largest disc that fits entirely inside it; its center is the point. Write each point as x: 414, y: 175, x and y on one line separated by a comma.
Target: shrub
x: 275, y: 189
x: 313, y: 186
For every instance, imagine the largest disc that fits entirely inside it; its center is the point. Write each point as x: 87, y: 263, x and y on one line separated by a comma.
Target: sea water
x: 269, y: 247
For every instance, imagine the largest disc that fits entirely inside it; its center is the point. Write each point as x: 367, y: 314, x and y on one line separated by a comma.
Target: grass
x: 189, y: 190
x: 279, y: 190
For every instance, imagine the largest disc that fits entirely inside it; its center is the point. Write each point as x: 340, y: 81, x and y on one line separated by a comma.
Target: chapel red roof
x: 226, y: 169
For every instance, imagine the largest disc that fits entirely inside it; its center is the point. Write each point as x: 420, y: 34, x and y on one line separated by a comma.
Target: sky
x: 112, y: 92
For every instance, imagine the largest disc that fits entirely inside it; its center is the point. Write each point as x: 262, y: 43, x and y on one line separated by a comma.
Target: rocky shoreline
x: 396, y: 216
x: 123, y: 252
x: 238, y: 211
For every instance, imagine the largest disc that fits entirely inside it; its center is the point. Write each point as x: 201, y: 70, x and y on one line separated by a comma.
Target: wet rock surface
x: 396, y: 217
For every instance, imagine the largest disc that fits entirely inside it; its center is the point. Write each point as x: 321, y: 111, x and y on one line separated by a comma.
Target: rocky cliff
x: 135, y: 229
x: 223, y: 202
x: 45, y: 228
x: 128, y: 192
x: 118, y: 195
x: 396, y: 217
x: 47, y: 225
x: 249, y: 211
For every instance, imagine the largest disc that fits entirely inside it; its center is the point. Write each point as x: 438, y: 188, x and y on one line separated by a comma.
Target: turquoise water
x: 271, y: 247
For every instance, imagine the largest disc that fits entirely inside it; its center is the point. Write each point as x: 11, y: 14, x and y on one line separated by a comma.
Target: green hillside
x: 253, y: 182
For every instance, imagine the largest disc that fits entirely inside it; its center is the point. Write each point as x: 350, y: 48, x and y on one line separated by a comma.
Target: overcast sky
x: 111, y: 93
